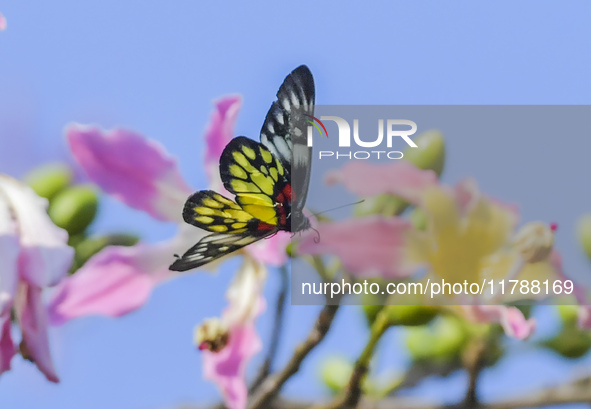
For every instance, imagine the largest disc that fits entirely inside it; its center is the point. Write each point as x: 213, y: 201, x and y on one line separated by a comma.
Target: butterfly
x: 260, y: 176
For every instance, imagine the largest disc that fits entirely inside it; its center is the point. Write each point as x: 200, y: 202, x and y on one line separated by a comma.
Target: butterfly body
x: 260, y: 175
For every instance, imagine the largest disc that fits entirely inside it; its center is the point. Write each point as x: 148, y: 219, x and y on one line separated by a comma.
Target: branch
x: 276, y: 332
x: 474, y: 358
x: 271, y: 386
x: 577, y: 391
x: 352, y: 393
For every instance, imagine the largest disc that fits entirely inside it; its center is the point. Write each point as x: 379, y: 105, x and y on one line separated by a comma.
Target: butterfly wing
x: 232, y: 227
x: 213, y: 212
x: 215, y: 246
x: 259, y: 181
x: 284, y: 131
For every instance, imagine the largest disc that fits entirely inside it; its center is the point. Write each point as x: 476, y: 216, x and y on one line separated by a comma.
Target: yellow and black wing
x: 232, y: 227
x: 259, y: 180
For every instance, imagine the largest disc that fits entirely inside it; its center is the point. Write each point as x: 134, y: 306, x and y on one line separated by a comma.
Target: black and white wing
x: 284, y: 132
x: 215, y: 246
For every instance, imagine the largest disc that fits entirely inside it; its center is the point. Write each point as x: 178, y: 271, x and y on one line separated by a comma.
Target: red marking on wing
x: 281, y: 209
x: 287, y: 192
x: 265, y: 226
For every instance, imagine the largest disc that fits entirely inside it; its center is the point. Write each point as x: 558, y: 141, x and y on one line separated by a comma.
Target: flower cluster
x: 119, y: 279
x: 463, y: 234
x: 35, y: 256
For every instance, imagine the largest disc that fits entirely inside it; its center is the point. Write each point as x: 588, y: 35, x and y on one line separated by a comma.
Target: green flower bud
x: 419, y: 219
x: 335, y: 373
x: 74, y: 208
x: 584, y: 233
x: 430, y: 154
x: 49, y: 180
x: 570, y: 343
x: 385, y: 204
x: 569, y: 314
x: 410, y: 315
x: 442, y: 342
x: 86, y: 247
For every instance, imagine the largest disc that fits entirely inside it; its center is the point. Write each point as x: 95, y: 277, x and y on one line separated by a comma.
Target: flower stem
x: 350, y: 397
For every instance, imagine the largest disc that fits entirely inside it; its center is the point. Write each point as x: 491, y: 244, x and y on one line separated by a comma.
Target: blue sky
x: 155, y: 67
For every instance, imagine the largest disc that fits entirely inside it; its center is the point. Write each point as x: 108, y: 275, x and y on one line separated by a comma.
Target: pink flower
x: 510, y: 318
x: 229, y: 343
x: 34, y: 256
x: 2, y: 22
x: 370, y: 247
x: 141, y: 174
x: 468, y: 237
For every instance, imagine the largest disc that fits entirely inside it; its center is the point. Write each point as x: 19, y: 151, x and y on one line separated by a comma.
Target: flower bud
x: 335, y: 373
x: 418, y: 218
x: 385, y: 204
x: 410, y: 315
x: 442, y: 342
x: 572, y: 342
x: 49, y: 180
x: 430, y: 154
x: 86, y: 247
x: 569, y: 314
x: 534, y: 241
x: 213, y: 335
x: 74, y: 208
x: 584, y: 233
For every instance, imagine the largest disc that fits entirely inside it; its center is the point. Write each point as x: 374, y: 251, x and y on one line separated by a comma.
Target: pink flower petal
x: 32, y: 317
x: 467, y: 195
x: 133, y: 169
x: 399, y: 178
x: 7, y: 348
x: 113, y: 283
x: 45, y: 257
x: 118, y: 280
x: 227, y: 368
x: 510, y: 318
x: 218, y: 134
x: 271, y: 251
x: 9, y: 251
x: 368, y: 247
x: 2, y: 23
x: 585, y: 316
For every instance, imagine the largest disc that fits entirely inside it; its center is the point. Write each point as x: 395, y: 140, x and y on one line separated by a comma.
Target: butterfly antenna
x: 339, y: 207
x: 317, y: 238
